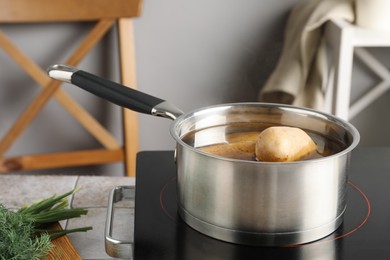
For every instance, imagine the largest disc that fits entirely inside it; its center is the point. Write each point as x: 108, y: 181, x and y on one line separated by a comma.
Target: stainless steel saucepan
x: 241, y: 201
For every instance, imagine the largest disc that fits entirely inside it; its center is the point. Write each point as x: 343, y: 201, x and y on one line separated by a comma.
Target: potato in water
x: 283, y: 144
x: 240, y: 146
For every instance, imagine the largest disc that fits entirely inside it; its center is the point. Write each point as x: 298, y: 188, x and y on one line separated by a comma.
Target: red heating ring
x: 367, y: 214
x: 298, y: 245
x: 351, y: 231
x: 162, y: 199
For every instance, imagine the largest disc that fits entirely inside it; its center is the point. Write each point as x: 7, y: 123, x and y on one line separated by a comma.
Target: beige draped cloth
x: 301, y: 73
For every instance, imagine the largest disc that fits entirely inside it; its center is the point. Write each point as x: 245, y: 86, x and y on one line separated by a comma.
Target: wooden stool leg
x: 128, y: 78
x: 36, y: 106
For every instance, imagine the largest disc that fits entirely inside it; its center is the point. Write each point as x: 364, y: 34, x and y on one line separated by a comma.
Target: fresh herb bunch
x: 23, y: 233
x: 18, y: 239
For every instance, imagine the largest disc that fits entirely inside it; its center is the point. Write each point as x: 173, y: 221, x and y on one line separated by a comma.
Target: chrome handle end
x: 167, y: 110
x: 61, y: 72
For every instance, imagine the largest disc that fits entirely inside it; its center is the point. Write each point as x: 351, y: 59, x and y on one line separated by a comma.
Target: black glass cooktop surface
x: 364, y: 234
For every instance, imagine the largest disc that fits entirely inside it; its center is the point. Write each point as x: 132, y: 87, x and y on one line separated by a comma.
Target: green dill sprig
x: 23, y: 234
x: 18, y: 238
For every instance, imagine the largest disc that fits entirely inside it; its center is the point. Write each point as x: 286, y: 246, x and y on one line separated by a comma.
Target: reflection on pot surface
x: 261, y: 203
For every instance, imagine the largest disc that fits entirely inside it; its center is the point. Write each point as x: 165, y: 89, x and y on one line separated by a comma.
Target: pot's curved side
x: 272, y: 205
x: 260, y: 203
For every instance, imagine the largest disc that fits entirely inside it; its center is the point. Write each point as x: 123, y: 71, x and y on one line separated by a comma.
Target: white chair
x: 346, y: 40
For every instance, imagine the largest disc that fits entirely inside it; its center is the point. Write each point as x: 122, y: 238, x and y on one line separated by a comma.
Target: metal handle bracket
x: 115, y: 247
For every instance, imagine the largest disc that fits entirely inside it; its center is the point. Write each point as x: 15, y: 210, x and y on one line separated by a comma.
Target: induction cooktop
x: 161, y: 234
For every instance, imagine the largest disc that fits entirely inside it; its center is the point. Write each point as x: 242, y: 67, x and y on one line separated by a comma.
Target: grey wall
x: 191, y: 53
x: 199, y: 53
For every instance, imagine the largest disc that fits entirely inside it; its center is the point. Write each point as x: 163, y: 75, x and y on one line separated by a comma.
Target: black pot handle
x: 114, y: 92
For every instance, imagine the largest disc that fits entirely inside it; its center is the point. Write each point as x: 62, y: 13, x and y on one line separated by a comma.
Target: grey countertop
x: 93, y: 193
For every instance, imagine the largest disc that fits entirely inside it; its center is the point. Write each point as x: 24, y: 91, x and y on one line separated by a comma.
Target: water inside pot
x: 237, y: 141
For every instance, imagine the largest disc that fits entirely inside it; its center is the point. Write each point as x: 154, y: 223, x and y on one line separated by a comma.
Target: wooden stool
x: 106, y: 14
